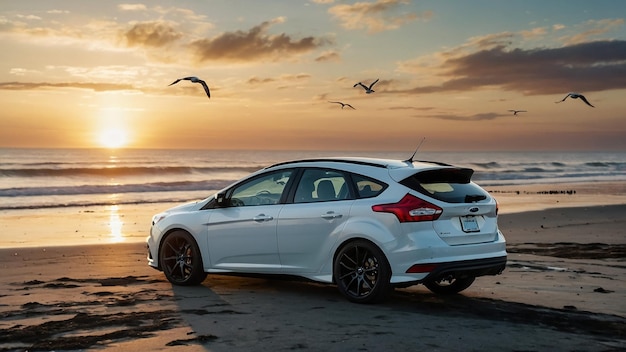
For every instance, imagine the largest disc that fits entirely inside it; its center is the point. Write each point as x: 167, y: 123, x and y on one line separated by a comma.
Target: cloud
x: 151, y: 34
x: 328, y: 56
x: 132, y: 7
x: 427, y: 66
x: 109, y: 34
x: 28, y: 17
x: 108, y: 73
x: 425, y: 108
x: 296, y: 77
x: 483, y: 42
x: 182, y: 14
x: 98, y: 87
x: 283, y: 78
x: 475, y: 117
x: 377, y: 16
x: 594, y: 28
x: 58, y: 12
x: 534, y: 33
x: 590, y: 66
x: 92, y: 34
x: 253, y: 45
x: 18, y: 71
x: 257, y: 80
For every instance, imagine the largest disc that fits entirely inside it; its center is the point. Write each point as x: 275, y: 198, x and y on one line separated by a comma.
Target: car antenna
x: 410, y: 160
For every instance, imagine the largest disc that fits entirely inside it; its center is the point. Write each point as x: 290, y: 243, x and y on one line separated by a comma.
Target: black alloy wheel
x: 362, y: 272
x: 181, y: 260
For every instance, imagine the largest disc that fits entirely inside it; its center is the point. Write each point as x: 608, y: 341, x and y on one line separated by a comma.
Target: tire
x: 449, y: 285
x: 180, y: 259
x: 362, y: 272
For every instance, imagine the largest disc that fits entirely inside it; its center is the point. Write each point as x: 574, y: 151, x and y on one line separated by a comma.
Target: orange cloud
x: 475, y: 117
x: 98, y: 87
x: 132, y: 7
x: 328, y: 56
x: 151, y: 34
x: 254, y: 44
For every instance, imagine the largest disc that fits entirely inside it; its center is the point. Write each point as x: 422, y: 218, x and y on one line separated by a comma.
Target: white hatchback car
x: 366, y: 225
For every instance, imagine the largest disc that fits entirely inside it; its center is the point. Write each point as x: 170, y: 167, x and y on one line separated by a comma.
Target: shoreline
x: 130, y: 223
x: 541, y: 196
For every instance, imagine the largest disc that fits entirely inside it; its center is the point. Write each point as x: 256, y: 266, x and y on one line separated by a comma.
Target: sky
x: 86, y: 74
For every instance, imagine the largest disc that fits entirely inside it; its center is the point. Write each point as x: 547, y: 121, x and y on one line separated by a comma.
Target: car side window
x: 263, y: 190
x: 321, y: 185
x: 368, y: 187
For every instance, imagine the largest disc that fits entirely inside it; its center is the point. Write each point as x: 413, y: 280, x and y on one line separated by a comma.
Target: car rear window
x: 451, y: 185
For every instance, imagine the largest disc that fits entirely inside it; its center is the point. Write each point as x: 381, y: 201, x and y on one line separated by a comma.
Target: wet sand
x: 564, y: 289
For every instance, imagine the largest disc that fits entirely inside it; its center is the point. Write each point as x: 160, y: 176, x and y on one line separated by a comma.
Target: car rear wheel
x: 449, y: 284
x: 362, y: 272
x: 181, y: 260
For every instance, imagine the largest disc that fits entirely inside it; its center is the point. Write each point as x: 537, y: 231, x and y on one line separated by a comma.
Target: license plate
x: 469, y: 224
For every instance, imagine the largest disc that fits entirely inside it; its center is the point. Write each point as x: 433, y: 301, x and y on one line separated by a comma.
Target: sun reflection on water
x: 115, y: 225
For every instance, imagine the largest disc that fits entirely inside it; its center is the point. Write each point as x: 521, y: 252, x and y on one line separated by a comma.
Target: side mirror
x: 220, y: 199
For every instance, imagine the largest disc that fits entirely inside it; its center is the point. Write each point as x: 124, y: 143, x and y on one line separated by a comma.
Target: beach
x: 563, y: 289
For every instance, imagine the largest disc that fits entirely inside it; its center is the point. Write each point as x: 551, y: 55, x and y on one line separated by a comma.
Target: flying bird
x: 342, y: 104
x: 576, y: 96
x: 369, y: 89
x: 194, y: 80
x: 516, y: 111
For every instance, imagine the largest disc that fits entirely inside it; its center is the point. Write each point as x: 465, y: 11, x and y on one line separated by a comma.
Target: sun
x: 113, y: 138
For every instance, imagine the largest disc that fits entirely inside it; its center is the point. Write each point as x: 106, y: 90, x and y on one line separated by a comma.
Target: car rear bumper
x: 466, y: 268
x: 458, y: 269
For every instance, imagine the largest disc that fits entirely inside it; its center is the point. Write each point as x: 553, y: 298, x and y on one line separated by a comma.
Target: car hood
x: 191, y: 206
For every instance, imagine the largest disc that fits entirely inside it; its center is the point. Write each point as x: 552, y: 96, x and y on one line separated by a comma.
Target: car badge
x: 474, y: 209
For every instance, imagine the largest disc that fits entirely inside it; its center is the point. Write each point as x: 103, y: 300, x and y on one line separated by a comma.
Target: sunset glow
x: 113, y: 138
x: 100, y: 75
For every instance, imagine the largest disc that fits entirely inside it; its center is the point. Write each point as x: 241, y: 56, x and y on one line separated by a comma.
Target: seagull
x: 368, y: 90
x: 342, y: 104
x: 576, y: 96
x: 195, y: 80
x: 516, y: 111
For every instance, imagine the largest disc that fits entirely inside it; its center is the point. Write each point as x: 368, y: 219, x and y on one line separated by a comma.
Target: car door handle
x: 262, y: 218
x: 331, y: 215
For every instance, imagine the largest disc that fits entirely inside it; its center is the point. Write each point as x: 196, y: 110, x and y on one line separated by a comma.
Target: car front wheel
x: 181, y: 260
x: 448, y: 284
x: 362, y: 272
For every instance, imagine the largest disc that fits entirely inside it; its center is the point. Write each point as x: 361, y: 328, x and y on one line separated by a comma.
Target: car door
x: 310, y: 224
x: 242, y: 235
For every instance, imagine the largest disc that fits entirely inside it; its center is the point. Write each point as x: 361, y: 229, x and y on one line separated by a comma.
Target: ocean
x: 60, y: 178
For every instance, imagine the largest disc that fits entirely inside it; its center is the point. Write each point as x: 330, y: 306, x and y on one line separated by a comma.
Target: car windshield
x: 451, y: 185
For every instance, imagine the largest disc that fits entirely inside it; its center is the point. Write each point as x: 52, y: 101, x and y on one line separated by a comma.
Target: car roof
x: 373, y: 162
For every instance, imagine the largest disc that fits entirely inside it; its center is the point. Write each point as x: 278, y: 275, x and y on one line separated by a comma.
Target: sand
x: 563, y: 289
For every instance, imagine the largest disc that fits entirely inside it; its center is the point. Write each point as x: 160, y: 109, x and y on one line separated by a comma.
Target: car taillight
x: 410, y: 209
